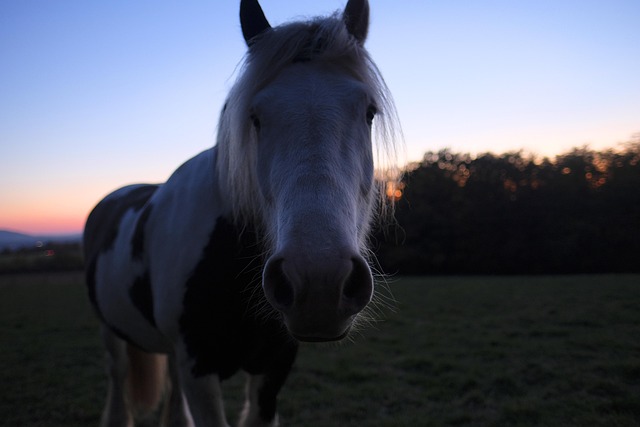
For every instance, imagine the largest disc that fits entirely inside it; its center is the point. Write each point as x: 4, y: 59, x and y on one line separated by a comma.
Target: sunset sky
x: 95, y: 95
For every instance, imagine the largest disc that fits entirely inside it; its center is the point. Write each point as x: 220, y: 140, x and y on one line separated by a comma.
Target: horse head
x: 305, y: 107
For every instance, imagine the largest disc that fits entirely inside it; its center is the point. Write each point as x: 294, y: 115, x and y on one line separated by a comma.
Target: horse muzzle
x: 318, y: 296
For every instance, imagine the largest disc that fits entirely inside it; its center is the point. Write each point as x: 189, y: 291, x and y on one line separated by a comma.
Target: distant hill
x: 13, y: 240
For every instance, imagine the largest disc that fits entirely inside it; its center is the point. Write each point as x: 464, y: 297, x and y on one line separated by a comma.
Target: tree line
x: 52, y: 256
x: 512, y: 213
x: 515, y: 213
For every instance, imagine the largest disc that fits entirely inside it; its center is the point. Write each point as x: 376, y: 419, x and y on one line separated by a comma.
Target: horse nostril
x: 358, y: 288
x: 277, y: 288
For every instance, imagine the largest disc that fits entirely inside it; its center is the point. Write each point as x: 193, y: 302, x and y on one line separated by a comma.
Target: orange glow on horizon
x: 394, y: 190
x: 46, y: 217
x: 45, y: 209
x: 43, y: 225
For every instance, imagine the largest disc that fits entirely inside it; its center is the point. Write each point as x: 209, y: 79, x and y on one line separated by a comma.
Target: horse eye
x: 371, y: 113
x: 256, y: 122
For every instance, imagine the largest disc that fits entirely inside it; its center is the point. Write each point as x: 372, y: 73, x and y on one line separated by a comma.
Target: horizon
x: 44, y: 234
x: 97, y: 96
x: 71, y: 228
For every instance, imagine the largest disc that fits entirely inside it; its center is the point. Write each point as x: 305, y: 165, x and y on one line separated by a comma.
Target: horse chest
x: 226, y: 323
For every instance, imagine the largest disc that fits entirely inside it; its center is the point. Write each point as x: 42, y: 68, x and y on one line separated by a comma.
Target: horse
x: 253, y: 245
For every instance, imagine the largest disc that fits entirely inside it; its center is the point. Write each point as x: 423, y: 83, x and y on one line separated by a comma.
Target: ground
x: 472, y: 351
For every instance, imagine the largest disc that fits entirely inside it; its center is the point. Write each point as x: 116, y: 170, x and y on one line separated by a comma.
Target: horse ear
x: 356, y: 17
x: 252, y: 19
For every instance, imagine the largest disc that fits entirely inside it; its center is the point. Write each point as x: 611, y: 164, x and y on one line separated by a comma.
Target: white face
x: 315, y: 171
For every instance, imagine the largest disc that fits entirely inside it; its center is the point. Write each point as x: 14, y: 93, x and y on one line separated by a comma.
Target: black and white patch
x: 220, y: 325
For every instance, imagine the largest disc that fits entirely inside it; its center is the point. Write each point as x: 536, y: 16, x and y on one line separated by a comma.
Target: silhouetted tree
x: 516, y: 213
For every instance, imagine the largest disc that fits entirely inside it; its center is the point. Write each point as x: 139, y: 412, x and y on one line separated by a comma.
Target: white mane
x: 321, y: 40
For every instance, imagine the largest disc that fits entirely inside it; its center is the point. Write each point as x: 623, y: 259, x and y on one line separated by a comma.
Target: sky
x: 96, y: 95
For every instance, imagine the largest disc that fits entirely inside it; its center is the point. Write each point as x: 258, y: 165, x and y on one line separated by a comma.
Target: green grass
x: 507, y: 351
x: 51, y: 365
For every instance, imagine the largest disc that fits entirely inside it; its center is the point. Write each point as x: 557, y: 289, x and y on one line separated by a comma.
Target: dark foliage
x: 515, y: 213
x: 48, y: 257
x: 489, y: 214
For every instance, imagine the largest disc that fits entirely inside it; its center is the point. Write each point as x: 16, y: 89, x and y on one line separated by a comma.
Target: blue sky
x: 95, y: 95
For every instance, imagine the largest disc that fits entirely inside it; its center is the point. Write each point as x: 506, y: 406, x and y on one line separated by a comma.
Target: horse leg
x: 259, y: 405
x: 176, y: 412
x: 116, y: 412
x: 203, y: 394
x: 262, y: 391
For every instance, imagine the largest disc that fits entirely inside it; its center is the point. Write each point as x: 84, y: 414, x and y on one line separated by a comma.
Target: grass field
x: 506, y: 351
